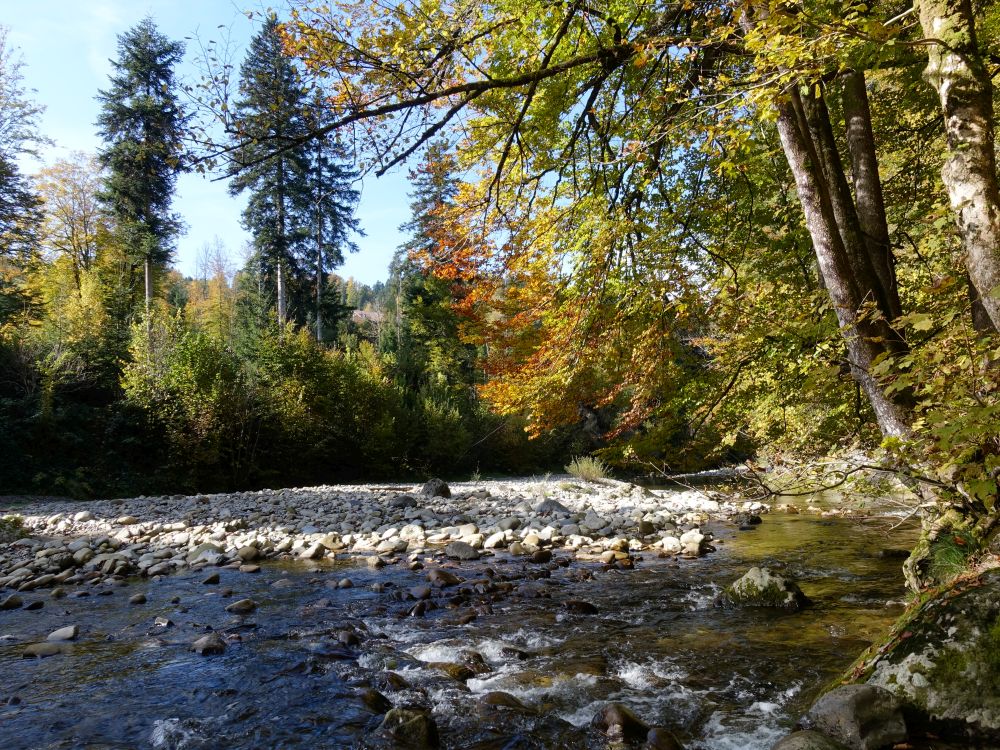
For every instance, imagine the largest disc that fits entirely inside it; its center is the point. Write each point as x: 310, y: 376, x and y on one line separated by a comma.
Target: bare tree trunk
x: 319, y: 289
x: 956, y: 70
x: 148, y: 273
x: 280, y: 270
x: 835, y: 264
x: 868, y: 188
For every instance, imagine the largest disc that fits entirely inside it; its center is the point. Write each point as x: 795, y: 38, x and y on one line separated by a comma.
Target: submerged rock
x: 759, y: 587
x: 807, y: 740
x: 862, y: 717
x: 209, y: 645
x: 411, y: 728
x: 619, y: 722
x: 945, y: 663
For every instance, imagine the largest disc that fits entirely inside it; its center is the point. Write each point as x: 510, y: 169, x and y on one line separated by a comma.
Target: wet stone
x: 42, y: 650
x: 242, y: 607
x: 67, y: 633
x: 211, y: 579
x: 11, y: 602
x: 209, y: 645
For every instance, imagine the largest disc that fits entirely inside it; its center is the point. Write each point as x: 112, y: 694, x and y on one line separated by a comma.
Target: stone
x: 375, y: 701
x: 541, y: 556
x: 693, y: 542
x: 83, y: 516
x: 345, y: 583
x: 659, y: 738
x: 127, y: 521
x: 211, y: 579
x: 11, y: 602
x: 411, y: 728
x: 249, y: 569
x: 68, y: 633
x: 948, y: 665
x: 137, y: 599
x: 205, y: 552
x: 403, y: 501
x: 759, y: 587
x: 209, y: 645
x: 461, y: 551
x: 435, y: 488
x: 493, y: 541
x: 551, y: 506
x: 442, y: 578
x: 41, y: 650
x: 248, y: 553
x: 862, y: 717
x: 503, y: 700
x: 314, y: 551
x: 242, y: 607
x: 807, y: 740
x: 619, y: 723
x: 671, y: 545
x: 580, y: 607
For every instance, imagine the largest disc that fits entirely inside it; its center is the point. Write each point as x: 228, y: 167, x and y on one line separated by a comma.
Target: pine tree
x: 269, y: 118
x: 142, y: 124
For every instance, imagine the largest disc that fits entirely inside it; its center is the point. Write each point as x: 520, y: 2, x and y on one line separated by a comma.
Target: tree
x: 74, y: 218
x: 19, y: 136
x: 268, y: 119
x: 600, y: 132
x: 334, y: 198
x: 142, y: 124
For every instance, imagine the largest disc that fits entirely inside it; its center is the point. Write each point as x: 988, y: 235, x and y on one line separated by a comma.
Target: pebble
x: 137, y: 599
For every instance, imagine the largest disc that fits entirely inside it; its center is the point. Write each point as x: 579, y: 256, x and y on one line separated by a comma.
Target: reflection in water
x: 289, y: 677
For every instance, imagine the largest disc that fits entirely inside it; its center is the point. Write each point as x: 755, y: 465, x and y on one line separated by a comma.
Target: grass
x: 587, y: 468
x: 949, y: 555
x: 11, y: 529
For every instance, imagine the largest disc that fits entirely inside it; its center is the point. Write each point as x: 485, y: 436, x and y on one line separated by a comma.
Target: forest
x: 674, y: 235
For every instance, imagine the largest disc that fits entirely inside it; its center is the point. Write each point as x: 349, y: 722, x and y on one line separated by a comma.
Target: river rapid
x: 318, y: 662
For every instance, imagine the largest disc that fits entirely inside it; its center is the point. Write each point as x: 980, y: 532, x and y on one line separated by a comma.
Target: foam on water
x: 718, y: 735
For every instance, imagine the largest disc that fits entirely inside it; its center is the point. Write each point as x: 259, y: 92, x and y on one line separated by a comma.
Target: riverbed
x: 333, y: 644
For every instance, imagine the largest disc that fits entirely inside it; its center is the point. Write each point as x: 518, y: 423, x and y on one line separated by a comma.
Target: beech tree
x: 597, y: 130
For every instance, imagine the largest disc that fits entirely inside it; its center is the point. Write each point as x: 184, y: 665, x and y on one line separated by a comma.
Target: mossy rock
x: 759, y: 587
x: 943, y: 660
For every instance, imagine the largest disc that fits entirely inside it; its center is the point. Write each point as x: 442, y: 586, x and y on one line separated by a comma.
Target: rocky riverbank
x: 88, y: 545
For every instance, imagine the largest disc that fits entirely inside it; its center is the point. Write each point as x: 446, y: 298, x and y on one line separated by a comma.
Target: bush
x: 587, y: 468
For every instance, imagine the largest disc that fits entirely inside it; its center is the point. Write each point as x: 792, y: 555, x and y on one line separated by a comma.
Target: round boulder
x: 759, y: 587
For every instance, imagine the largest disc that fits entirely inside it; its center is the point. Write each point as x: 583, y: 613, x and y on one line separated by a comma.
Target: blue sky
x: 67, y: 45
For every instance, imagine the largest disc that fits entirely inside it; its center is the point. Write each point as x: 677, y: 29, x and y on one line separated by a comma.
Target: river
x: 300, y: 670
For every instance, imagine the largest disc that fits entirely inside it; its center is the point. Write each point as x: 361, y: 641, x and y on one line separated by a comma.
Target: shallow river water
x: 721, y: 679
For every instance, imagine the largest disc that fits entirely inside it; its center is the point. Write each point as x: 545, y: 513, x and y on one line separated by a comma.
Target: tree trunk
x: 148, y: 273
x: 280, y: 283
x: 868, y: 188
x: 835, y: 265
x: 956, y: 70
x: 319, y: 289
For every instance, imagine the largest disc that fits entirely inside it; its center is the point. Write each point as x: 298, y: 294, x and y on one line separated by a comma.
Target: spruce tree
x: 301, y: 195
x: 269, y: 162
x: 333, y: 223
x: 142, y: 124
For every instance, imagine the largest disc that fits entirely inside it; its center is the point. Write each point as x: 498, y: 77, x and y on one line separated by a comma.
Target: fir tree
x: 142, y: 124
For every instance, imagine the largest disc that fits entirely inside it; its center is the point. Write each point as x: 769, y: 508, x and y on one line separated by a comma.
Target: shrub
x: 587, y: 468
x: 11, y: 528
